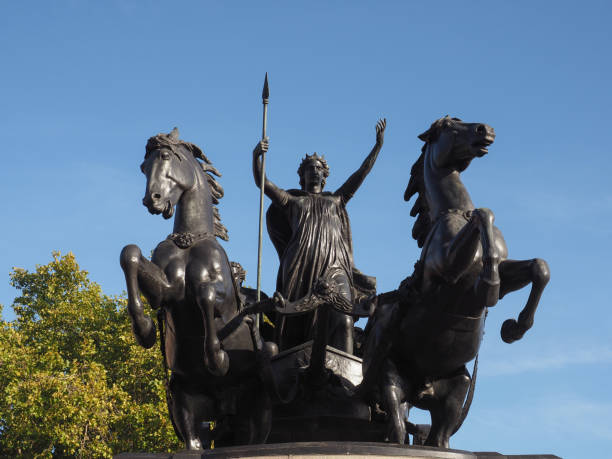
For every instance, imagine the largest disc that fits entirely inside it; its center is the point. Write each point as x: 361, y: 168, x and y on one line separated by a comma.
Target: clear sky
x: 84, y: 84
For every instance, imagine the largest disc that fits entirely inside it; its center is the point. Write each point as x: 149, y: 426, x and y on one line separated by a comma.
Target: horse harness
x: 187, y: 239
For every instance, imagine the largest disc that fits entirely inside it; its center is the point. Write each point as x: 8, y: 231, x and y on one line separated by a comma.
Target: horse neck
x: 444, y: 188
x: 194, y: 210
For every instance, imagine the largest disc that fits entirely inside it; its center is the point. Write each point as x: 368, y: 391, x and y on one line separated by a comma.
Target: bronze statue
x: 310, y: 230
x: 418, y: 339
x: 418, y: 344
x: 190, y: 282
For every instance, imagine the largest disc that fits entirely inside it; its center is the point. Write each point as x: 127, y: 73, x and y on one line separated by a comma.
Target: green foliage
x: 73, y: 381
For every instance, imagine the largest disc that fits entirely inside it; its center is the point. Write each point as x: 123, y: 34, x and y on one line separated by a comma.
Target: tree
x: 73, y: 381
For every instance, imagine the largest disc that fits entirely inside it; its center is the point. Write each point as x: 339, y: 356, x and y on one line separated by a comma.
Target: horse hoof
x: 511, y: 331
x: 194, y: 444
x: 145, y: 334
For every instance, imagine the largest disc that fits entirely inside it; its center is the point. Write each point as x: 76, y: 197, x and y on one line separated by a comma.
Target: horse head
x: 453, y: 143
x: 168, y: 166
x: 450, y: 145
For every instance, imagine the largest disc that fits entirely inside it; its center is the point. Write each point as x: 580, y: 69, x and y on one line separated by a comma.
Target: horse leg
x: 215, y: 358
x: 516, y: 274
x: 460, y: 253
x: 393, y: 396
x: 488, y: 283
x: 410, y: 427
x: 446, y: 408
x: 262, y: 417
x: 253, y: 422
x: 140, y: 273
x: 188, y: 410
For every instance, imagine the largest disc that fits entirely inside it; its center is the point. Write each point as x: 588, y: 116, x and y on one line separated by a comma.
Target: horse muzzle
x: 156, y: 207
x: 485, y: 136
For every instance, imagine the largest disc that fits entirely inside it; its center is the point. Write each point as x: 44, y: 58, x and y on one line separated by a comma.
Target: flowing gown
x: 312, y: 236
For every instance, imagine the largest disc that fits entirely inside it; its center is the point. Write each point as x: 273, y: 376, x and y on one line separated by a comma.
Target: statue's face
x: 313, y: 175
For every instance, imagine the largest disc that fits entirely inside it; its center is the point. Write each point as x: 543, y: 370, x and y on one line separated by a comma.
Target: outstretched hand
x: 380, y: 131
x: 261, y: 147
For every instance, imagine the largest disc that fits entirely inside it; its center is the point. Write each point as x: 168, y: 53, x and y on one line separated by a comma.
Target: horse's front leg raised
x: 215, y: 358
x: 488, y: 283
x: 516, y: 274
x: 459, y: 255
x: 142, y: 275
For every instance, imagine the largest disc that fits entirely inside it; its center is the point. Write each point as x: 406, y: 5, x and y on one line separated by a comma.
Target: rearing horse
x: 462, y: 244
x: 419, y: 345
x: 190, y: 279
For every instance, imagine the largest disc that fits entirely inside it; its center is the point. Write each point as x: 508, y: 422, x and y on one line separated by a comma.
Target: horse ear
x: 174, y: 135
x: 424, y: 136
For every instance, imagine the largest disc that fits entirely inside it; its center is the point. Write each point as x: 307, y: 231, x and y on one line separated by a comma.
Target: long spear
x: 265, y: 94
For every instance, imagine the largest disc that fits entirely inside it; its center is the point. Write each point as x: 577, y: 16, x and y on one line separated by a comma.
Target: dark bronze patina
x: 189, y: 281
x: 418, y: 345
x: 311, y: 232
x: 418, y: 340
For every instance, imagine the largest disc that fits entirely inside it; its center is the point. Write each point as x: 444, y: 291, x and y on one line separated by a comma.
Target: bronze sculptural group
x: 256, y: 385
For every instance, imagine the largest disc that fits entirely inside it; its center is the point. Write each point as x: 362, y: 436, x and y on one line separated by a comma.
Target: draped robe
x: 312, y: 236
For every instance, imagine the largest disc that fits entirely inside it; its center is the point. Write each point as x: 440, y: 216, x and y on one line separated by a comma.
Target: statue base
x: 331, y: 450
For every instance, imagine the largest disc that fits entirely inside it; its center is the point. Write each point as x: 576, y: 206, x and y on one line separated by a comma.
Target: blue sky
x: 84, y: 84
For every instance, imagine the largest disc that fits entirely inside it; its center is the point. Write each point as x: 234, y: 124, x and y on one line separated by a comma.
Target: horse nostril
x: 481, y: 130
x: 156, y: 196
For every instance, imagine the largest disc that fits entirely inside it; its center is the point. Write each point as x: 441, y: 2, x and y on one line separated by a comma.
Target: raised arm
x: 348, y: 189
x: 276, y: 194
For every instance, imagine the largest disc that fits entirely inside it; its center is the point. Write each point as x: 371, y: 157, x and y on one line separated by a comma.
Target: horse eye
x: 165, y: 155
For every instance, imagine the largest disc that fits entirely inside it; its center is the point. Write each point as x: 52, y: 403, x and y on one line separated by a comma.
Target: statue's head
x: 313, y: 168
x: 238, y: 272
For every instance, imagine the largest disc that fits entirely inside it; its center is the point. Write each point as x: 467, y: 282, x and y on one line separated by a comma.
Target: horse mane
x: 172, y: 141
x: 420, y: 209
x: 416, y: 184
x: 216, y: 190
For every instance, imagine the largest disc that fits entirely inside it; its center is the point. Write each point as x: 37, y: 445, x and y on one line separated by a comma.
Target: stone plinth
x: 331, y: 450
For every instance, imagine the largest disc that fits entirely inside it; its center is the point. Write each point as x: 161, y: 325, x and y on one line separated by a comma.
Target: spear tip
x: 265, y: 94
